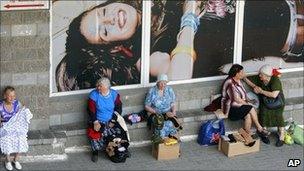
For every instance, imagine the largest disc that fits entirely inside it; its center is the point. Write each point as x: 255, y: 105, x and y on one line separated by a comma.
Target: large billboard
x: 132, y: 41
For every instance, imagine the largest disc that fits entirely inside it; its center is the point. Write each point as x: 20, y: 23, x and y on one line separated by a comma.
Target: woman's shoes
x: 264, y: 132
x: 8, y: 166
x: 94, y: 156
x: 264, y: 136
x: 265, y: 140
x: 250, y: 144
x: 17, y: 165
x: 279, y: 143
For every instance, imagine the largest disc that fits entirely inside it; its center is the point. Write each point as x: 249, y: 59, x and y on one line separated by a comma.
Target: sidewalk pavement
x: 193, y: 157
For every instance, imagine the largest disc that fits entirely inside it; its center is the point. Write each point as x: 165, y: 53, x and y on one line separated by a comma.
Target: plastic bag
x: 298, y: 135
x: 133, y: 118
x: 210, y: 132
x: 295, y: 131
x: 288, y: 138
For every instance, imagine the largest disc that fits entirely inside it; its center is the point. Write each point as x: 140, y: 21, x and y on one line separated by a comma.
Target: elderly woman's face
x: 102, y: 88
x: 263, y: 77
x: 161, y: 85
x: 10, y: 96
x: 113, y: 22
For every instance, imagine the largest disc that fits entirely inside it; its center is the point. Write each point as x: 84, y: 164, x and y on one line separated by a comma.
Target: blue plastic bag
x: 210, y: 132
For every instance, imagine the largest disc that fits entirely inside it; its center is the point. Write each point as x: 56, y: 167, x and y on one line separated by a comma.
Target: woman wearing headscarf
x: 268, y: 84
x: 160, y: 102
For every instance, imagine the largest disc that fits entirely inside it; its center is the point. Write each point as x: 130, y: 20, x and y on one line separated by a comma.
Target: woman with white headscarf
x: 268, y: 84
x: 160, y: 105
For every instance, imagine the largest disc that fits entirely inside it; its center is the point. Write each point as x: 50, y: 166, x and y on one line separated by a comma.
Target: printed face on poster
x: 94, y: 39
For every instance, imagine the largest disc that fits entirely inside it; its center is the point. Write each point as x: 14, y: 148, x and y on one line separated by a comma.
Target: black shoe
x: 250, y: 144
x: 279, y: 143
x: 232, y: 139
x: 265, y: 139
x: 94, y: 156
x: 263, y: 133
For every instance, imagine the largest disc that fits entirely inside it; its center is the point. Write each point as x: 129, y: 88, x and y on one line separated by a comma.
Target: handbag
x: 274, y: 103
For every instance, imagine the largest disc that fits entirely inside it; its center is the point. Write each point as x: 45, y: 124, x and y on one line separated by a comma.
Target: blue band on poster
x: 191, y: 20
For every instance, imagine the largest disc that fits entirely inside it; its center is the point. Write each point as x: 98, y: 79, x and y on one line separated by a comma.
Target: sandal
x: 264, y: 133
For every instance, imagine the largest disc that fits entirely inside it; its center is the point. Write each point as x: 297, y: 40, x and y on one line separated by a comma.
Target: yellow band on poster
x: 184, y: 49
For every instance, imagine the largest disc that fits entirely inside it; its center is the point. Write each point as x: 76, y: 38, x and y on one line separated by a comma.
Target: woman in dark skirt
x: 268, y: 84
x: 236, y: 104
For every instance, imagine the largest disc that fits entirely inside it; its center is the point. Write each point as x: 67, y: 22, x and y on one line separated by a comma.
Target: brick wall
x: 25, y: 60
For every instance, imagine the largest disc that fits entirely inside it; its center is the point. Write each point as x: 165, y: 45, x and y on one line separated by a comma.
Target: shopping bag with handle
x: 211, y: 131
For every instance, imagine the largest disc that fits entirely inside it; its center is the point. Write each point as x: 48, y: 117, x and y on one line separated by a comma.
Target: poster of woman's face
x: 94, y: 39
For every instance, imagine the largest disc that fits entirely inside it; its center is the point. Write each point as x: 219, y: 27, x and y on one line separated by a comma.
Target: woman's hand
x: 257, y: 90
x: 170, y: 114
x: 97, y: 126
x: 252, y: 101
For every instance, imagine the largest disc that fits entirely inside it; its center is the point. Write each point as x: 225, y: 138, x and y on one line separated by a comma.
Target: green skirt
x: 271, y: 118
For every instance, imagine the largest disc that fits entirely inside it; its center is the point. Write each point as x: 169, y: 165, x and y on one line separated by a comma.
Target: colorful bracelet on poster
x: 184, y: 49
x: 191, y: 20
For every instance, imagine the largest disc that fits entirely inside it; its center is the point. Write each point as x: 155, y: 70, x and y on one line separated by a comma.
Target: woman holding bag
x: 268, y: 85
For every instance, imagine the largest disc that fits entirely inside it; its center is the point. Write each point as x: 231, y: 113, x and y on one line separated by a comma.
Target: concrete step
x: 58, y: 138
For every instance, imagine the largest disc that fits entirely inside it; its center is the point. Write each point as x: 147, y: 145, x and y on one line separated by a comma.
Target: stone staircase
x: 69, y: 137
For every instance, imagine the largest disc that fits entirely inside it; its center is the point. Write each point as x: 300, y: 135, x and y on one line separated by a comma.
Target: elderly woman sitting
x: 105, y: 122
x: 160, y: 102
x: 14, y: 124
x: 269, y: 85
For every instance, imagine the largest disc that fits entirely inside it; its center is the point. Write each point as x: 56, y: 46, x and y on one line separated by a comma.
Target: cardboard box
x: 166, y: 152
x: 233, y: 149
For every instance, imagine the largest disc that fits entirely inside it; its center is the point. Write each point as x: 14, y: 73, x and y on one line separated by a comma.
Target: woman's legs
x: 280, y: 141
x: 96, y: 145
x: 17, y: 164
x: 17, y: 156
x: 8, y: 157
x: 281, y: 131
x: 248, y: 122
x: 8, y: 164
x: 255, y: 120
x: 168, y: 129
x: 260, y: 130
